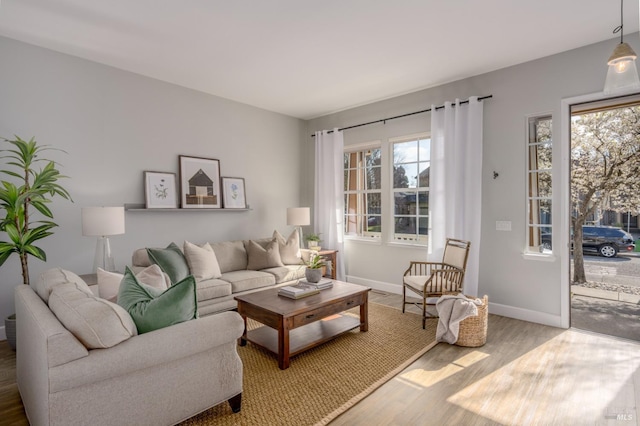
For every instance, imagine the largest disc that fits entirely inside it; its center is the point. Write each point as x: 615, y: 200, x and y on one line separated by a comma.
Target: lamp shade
x: 622, y: 73
x: 298, y: 216
x: 102, y: 221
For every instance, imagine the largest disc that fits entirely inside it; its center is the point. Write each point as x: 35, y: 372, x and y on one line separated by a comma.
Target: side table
x: 331, y: 255
x: 90, y: 279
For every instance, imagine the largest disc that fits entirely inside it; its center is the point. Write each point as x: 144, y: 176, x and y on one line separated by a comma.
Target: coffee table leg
x: 364, y: 315
x: 283, y: 347
x: 242, y: 341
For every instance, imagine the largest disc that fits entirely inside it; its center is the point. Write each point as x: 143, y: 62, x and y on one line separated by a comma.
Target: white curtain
x: 456, y: 181
x: 328, y: 206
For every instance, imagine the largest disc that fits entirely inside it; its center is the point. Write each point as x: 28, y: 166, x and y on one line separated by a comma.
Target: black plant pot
x: 10, y: 330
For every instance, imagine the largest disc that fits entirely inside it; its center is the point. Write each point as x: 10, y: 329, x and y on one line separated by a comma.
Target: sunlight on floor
x: 424, y: 378
x: 545, y: 379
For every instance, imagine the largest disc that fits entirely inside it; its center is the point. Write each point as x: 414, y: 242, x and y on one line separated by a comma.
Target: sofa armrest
x: 151, y: 349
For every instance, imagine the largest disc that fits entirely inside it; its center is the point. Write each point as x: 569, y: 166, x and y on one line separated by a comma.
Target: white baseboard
x: 376, y: 285
x: 494, y: 308
x: 525, y: 314
x: 3, y: 335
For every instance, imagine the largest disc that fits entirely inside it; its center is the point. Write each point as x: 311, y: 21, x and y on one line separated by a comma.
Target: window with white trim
x: 363, y: 193
x: 411, y: 165
x: 539, y: 162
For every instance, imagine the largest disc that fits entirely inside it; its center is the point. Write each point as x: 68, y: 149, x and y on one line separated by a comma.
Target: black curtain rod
x: 384, y: 120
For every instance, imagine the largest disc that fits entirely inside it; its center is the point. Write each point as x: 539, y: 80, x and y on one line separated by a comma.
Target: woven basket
x: 473, y: 330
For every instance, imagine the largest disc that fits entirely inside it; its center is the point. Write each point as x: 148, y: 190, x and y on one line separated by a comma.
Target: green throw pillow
x: 152, y: 308
x: 171, y: 260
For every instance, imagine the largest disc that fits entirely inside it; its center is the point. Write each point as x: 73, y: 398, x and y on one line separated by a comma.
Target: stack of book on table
x: 298, y: 291
x: 323, y: 284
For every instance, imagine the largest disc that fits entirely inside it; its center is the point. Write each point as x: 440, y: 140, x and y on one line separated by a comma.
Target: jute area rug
x: 324, y: 382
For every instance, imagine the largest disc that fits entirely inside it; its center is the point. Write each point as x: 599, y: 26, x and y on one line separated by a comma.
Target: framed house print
x: 200, y: 183
x: 233, y: 193
x: 160, y: 190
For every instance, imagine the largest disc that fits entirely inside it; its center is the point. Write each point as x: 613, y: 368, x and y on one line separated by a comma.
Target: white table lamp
x: 102, y: 222
x: 299, y: 217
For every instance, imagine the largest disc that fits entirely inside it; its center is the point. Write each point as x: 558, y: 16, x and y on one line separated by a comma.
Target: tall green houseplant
x: 30, y: 187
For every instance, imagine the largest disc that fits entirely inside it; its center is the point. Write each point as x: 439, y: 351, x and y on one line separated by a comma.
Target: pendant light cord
x: 619, y: 28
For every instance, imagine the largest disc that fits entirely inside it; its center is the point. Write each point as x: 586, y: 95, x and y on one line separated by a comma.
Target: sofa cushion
x: 151, y: 308
x: 289, y: 248
x: 202, y: 261
x: 140, y: 258
x: 211, y: 289
x: 248, y: 280
x: 231, y: 255
x: 109, y: 282
x: 50, y: 278
x: 286, y: 273
x: 262, y: 258
x: 171, y: 260
x: 96, y: 322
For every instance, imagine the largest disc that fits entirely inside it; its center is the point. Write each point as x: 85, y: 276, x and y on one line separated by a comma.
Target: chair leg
x: 404, y: 297
x: 424, y: 312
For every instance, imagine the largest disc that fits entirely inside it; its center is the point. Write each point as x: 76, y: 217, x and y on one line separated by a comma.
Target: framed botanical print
x: 233, y: 193
x: 160, y: 190
x: 200, y: 183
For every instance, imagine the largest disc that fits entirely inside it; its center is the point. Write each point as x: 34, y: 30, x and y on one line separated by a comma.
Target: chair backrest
x: 456, y: 253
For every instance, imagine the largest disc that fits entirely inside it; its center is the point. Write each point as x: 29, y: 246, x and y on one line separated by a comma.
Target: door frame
x: 564, y: 182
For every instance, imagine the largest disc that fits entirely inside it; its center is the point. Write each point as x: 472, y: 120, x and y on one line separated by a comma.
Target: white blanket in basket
x: 451, y: 310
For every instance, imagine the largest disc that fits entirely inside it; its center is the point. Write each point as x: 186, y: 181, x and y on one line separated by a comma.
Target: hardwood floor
x: 525, y: 374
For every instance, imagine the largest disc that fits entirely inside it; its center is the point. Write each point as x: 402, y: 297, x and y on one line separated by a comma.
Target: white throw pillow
x: 53, y: 277
x: 289, y: 248
x: 109, y: 282
x: 202, y: 261
x: 97, y: 323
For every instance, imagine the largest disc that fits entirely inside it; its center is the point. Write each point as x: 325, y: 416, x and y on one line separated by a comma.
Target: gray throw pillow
x: 263, y: 258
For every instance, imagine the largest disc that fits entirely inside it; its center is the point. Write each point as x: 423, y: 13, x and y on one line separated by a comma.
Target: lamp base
x: 103, y: 258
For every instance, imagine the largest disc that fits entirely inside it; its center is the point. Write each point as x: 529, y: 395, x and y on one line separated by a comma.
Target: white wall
x: 518, y: 287
x: 113, y: 126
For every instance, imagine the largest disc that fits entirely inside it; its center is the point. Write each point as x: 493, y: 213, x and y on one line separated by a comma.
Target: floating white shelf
x: 142, y: 208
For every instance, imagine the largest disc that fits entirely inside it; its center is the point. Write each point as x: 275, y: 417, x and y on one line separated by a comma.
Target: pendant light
x: 622, y: 74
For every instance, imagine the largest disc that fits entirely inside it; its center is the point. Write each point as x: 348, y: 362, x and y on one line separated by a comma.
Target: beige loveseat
x: 158, y: 378
x: 236, y: 261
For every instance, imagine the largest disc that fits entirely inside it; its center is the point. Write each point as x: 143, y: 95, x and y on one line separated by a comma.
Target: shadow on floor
x: 609, y: 317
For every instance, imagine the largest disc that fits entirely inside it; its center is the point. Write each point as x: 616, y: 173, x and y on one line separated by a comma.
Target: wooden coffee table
x: 294, y: 326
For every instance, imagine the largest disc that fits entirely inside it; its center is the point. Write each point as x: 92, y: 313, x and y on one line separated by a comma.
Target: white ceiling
x: 307, y: 58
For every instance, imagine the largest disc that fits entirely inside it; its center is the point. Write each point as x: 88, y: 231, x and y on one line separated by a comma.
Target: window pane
x: 424, y: 226
x: 411, y: 173
x: 405, y: 152
x: 423, y: 203
x: 373, y: 177
x: 373, y: 223
x: 374, y: 203
x: 423, y: 175
x: 540, y: 184
x: 545, y: 212
x: 400, y: 179
x: 351, y: 224
x: 544, y: 152
x: 404, y: 203
x: 404, y: 226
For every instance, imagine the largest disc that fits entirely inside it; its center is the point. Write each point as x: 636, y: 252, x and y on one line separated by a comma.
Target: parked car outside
x: 606, y: 241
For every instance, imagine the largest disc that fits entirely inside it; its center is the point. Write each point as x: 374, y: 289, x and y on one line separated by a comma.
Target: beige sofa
x: 234, y: 259
x: 157, y: 378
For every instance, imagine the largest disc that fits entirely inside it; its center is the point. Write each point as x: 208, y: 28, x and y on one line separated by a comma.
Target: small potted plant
x: 315, y: 268
x: 313, y: 241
